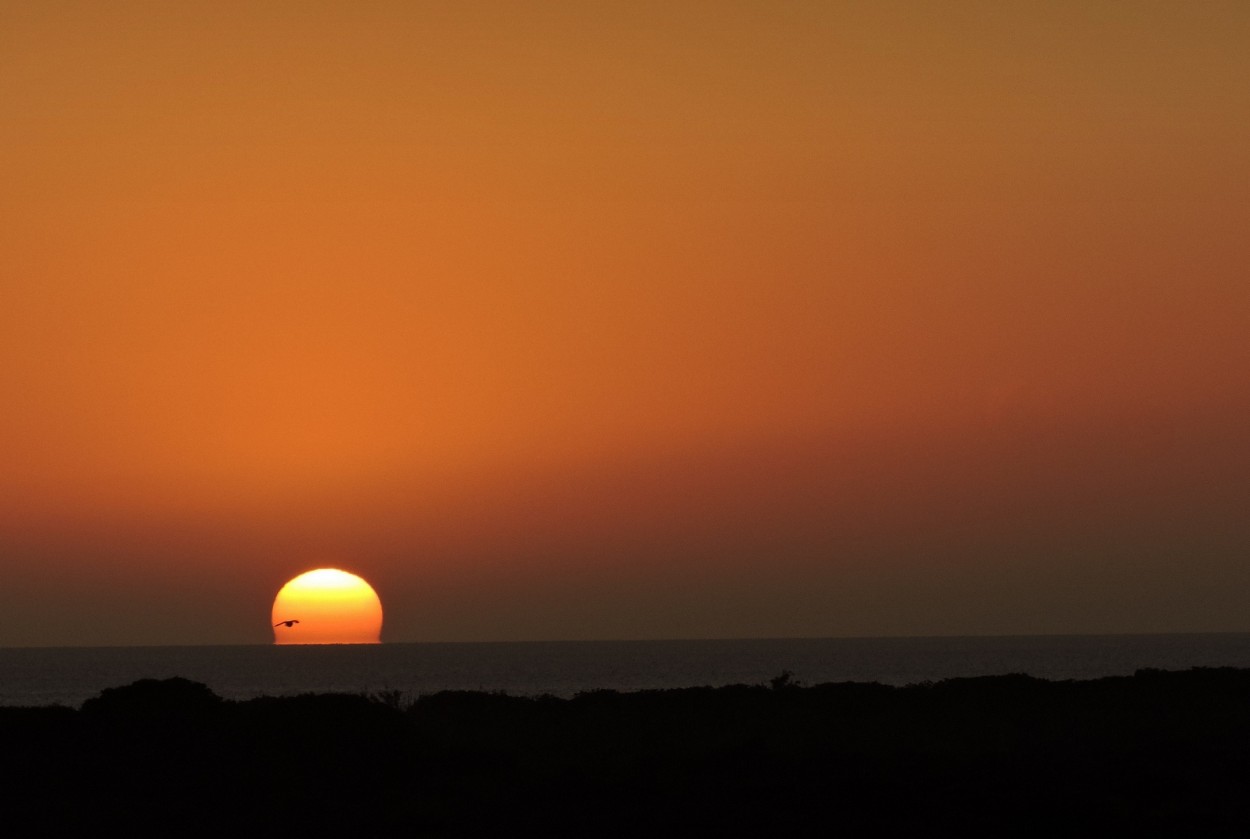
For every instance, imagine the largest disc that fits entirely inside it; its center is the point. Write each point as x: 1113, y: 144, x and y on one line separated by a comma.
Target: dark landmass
x: 1156, y: 752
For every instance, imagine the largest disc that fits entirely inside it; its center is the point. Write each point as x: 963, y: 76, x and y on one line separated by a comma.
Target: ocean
x: 68, y: 676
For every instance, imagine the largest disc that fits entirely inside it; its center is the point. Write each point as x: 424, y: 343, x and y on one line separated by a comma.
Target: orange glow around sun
x: 327, y: 606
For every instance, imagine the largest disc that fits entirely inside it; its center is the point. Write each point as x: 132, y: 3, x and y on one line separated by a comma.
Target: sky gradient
x: 625, y: 320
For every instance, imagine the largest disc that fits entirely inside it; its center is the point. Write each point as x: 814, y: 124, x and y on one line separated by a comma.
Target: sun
x: 327, y: 606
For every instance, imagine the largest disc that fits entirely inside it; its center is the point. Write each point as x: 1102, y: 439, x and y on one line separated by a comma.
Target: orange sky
x: 624, y: 320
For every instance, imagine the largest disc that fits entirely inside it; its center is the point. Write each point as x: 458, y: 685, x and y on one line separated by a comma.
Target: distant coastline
x: 69, y: 676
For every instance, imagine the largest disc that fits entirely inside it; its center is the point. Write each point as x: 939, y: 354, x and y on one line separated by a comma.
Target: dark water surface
x: 43, y: 676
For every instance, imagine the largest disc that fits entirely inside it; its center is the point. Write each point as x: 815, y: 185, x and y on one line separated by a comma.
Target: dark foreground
x: 1158, y: 752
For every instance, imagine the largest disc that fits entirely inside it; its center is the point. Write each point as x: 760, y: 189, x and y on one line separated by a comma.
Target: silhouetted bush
x: 153, y: 699
x: 1156, y: 752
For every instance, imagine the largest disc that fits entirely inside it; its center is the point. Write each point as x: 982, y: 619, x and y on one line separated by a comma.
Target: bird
x: 286, y: 623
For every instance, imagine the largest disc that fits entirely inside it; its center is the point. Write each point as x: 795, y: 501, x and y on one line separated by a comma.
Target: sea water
x: 68, y: 676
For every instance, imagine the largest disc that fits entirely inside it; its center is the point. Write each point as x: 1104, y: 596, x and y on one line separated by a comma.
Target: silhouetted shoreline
x: 1004, y: 755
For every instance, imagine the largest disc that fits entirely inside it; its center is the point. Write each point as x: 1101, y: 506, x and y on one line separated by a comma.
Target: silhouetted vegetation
x: 1157, y: 752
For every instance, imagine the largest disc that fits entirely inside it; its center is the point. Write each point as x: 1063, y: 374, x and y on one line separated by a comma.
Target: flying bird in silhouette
x: 286, y: 623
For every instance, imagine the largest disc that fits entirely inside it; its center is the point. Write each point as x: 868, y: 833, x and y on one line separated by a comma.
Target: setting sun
x: 327, y: 606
